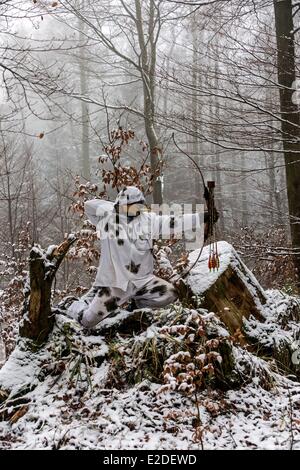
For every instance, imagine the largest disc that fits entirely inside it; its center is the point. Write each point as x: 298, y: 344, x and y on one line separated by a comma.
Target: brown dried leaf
x: 18, y: 414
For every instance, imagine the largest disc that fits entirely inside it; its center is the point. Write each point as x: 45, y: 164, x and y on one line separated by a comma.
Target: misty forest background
x: 79, y: 77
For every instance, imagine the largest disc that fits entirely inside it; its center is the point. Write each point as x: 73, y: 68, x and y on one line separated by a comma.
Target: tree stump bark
x: 232, y: 292
x: 38, y: 319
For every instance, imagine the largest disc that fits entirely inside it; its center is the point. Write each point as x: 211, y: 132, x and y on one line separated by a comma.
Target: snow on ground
x: 140, y: 419
x: 61, y: 414
x: 282, y: 314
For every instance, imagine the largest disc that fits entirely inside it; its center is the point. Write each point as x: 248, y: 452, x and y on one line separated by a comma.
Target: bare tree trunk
x: 244, y: 189
x: 154, y: 156
x: 219, y: 199
x: 38, y: 319
x: 148, y: 66
x: 85, y: 147
x: 9, y: 199
x: 290, y: 114
x: 9, y: 206
x: 275, y: 201
x: 195, y: 111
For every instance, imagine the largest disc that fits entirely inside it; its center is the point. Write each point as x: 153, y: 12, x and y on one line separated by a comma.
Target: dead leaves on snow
x: 18, y: 414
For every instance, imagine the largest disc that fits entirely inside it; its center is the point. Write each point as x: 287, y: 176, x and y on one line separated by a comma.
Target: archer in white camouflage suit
x: 126, y: 265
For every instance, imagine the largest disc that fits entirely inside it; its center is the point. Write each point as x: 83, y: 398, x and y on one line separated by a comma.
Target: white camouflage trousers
x: 101, y: 302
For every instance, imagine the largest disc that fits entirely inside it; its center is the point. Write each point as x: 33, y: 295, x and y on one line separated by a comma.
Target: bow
x: 210, y: 218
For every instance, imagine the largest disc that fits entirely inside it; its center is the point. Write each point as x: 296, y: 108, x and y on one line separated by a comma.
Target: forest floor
x: 249, y: 418
x: 66, y: 400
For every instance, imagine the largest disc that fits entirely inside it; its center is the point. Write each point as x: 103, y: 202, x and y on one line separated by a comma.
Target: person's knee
x: 162, y: 300
x: 170, y: 297
x: 90, y: 318
x: 88, y: 322
x: 76, y: 308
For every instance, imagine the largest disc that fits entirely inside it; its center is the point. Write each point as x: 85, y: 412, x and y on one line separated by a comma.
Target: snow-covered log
x: 232, y: 291
x: 38, y: 319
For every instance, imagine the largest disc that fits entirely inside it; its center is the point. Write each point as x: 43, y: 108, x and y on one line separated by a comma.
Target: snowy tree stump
x: 38, y: 319
x: 232, y: 292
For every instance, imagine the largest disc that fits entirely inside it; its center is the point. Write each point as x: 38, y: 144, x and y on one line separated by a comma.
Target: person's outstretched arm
x: 95, y: 209
x: 166, y: 226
